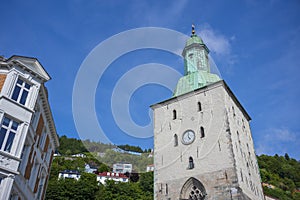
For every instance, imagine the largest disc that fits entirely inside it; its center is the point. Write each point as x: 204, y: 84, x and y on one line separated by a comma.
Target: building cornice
x: 49, y: 117
x: 203, y: 89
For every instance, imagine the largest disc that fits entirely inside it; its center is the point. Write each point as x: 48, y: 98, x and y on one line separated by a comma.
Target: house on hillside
x: 118, y: 177
x: 69, y: 174
x: 122, y: 168
x: 79, y: 155
x: 90, y: 169
x: 150, y: 168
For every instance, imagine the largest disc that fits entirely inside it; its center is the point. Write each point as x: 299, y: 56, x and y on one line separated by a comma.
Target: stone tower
x: 202, y: 138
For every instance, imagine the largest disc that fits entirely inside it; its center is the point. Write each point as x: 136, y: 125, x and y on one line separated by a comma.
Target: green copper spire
x: 196, y: 66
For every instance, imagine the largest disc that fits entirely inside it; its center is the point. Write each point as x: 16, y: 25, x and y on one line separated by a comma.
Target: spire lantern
x: 196, y: 66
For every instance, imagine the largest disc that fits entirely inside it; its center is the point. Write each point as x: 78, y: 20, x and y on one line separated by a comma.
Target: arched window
x: 174, y: 114
x: 175, y: 140
x: 191, y: 162
x: 202, y: 132
x: 199, y: 107
x: 193, y: 189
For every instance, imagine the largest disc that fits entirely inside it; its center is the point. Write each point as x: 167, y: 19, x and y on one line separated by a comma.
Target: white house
x: 122, y: 168
x: 69, y: 174
x: 118, y: 177
x: 79, y: 155
x: 89, y: 169
x: 28, y: 137
x: 150, y: 168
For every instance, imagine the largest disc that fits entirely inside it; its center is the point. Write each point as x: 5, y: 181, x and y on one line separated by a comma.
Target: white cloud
x: 217, y: 43
x: 280, y: 135
x: 276, y: 140
x: 220, y: 47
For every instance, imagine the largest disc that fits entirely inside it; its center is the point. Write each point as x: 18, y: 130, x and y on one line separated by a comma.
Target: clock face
x: 188, y: 137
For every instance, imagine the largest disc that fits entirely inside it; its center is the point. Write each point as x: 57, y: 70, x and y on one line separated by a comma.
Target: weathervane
x: 193, y: 29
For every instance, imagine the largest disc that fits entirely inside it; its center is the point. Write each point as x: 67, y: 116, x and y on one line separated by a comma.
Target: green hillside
x: 280, y: 174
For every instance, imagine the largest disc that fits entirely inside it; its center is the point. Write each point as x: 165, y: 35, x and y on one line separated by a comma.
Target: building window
x: 199, y: 107
x: 175, y: 140
x: 174, y: 114
x: 7, y: 133
x: 241, y: 175
x: 202, y: 132
x: 191, y: 163
x: 167, y: 189
x: 21, y: 91
x: 233, y: 111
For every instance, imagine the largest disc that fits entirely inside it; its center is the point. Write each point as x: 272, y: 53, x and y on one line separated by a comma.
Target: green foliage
x: 97, y: 146
x: 121, y: 191
x: 282, y: 172
x: 146, y: 181
x: 62, y: 163
x: 127, y: 147
x: 103, y: 168
x: 87, y: 187
x: 63, y: 189
x: 70, y: 146
x: 139, y: 162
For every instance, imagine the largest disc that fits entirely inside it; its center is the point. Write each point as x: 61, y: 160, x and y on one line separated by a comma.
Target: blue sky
x: 255, y: 45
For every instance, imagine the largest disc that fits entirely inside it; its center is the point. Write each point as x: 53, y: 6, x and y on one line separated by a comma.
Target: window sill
x: 9, y: 155
x: 16, y: 103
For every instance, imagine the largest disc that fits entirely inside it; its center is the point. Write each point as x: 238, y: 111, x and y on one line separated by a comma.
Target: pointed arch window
x: 193, y: 189
x: 202, y: 134
x: 175, y: 140
x: 199, y: 106
x: 174, y: 114
x: 191, y: 163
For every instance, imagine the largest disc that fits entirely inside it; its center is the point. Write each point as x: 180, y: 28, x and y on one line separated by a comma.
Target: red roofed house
x: 118, y: 177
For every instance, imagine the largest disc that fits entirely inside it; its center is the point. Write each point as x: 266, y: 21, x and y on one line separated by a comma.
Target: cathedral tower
x: 203, y: 147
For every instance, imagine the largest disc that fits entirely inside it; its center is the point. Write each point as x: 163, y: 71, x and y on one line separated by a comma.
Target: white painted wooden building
x: 28, y: 136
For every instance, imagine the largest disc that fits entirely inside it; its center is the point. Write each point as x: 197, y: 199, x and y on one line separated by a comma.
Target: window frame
x: 199, y: 106
x: 191, y: 163
x: 9, y: 132
x: 202, y: 132
x: 174, y: 114
x: 175, y: 140
x: 24, y: 87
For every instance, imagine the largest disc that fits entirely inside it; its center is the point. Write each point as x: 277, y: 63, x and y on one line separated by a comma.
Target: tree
x: 281, y: 171
x: 103, y: 168
x: 146, y: 181
x: 286, y: 156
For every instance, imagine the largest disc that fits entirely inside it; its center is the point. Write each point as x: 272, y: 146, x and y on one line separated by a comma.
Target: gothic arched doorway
x: 193, y: 189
